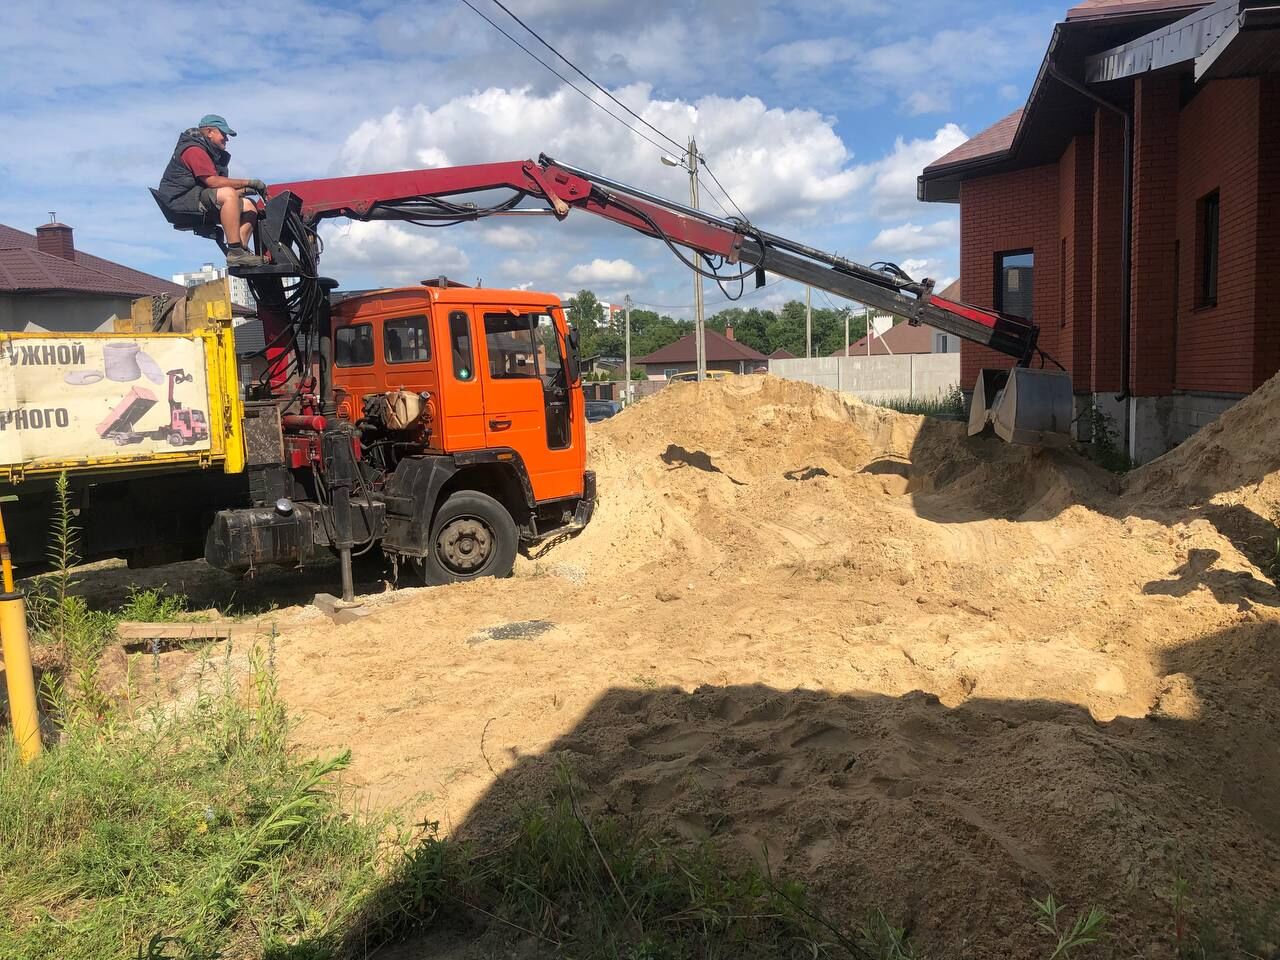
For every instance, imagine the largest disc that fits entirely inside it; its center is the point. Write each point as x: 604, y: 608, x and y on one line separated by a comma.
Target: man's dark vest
x: 179, y: 189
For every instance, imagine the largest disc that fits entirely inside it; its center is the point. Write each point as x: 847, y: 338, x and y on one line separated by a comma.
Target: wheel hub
x: 464, y: 544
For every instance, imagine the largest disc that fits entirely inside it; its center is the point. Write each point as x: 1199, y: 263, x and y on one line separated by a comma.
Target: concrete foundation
x: 1161, y: 423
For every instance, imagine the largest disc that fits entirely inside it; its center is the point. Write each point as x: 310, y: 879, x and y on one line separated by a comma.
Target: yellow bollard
x: 23, y: 711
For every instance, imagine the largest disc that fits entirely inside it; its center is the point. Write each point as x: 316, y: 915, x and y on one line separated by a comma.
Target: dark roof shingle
x: 994, y: 140
x: 1099, y: 9
x: 719, y: 349
x: 900, y: 338
x: 88, y: 273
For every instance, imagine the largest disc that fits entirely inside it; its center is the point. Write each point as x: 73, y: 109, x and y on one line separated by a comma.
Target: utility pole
x: 699, y: 333
x: 808, y: 322
x: 626, y: 310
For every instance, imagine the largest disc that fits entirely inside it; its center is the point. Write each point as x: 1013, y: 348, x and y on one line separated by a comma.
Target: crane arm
x: 292, y: 211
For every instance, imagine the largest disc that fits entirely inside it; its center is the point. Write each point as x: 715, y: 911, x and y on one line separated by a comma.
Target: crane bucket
x: 1023, y: 406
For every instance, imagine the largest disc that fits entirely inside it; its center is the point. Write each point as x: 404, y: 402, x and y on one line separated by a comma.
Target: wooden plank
x: 135, y: 630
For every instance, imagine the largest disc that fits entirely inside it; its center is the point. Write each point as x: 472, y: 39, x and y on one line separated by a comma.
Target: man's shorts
x: 209, y: 207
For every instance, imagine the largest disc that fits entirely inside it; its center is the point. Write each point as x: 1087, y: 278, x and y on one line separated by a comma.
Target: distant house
x: 782, y: 353
x: 603, y: 365
x: 723, y: 353
x: 901, y: 339
x: 47, y: 284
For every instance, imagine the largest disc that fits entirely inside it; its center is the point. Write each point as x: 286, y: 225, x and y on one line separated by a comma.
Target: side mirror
x: 571, y: 340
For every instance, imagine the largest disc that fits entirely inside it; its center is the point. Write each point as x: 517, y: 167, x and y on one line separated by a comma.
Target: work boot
x: 240, y: 257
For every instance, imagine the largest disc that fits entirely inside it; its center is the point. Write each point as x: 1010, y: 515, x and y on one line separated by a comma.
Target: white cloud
x: 600, y: 271
x: 798, y: 56
x: 919, y: 269
x: 387, y: 251
x: 893, y: 178
x: 927, y: 70
x: 913, y: 238
x: 506, y: 237
x: 771, y: 161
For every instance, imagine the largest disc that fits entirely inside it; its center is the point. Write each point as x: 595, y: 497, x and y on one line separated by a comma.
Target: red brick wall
x: 1218, y: 138
x: 1075, y: 222
x: 1266, y: 357
x: 1107, y: 244
x: 1155, y: 183
x: 1013, y: 211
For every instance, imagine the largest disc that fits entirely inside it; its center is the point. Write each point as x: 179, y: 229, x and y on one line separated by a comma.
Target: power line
x: 733, y: 202
x: 574, y: 67
x: 565, y: 79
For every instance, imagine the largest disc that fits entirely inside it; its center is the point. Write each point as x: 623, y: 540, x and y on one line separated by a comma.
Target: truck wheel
x: 473, y: 536
x: 175, y: 439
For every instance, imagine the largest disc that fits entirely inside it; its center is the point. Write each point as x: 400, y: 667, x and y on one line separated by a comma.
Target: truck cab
x: 495, y: 367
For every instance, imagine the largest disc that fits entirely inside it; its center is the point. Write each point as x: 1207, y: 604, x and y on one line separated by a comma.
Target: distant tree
x: 585, y: 311
x: 608, y: 343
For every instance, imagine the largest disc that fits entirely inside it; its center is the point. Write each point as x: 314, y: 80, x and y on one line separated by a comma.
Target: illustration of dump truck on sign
x: 64, y: 398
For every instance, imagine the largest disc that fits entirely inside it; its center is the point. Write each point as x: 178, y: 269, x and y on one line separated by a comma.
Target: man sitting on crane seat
x: 195, y: 184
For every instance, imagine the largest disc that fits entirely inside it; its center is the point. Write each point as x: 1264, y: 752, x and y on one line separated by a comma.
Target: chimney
x: 728, y: 331
x: 54, y: 238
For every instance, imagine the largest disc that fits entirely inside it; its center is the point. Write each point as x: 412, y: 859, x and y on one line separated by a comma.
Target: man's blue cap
x: 217, y: 122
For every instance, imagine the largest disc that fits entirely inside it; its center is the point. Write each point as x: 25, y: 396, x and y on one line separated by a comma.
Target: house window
x: 669, y: 372
x: 460, y: 345
x: 404, y: 340
x: 939, y: 343
x: 1013, y: 282
x: 1207, y: 217
x: 353, y: 346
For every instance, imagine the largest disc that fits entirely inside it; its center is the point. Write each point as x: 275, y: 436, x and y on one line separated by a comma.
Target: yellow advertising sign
x: 86, y: 399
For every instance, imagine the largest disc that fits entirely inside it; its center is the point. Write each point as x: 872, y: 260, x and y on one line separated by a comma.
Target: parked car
x: 692, y: 375
x: 598, y: 410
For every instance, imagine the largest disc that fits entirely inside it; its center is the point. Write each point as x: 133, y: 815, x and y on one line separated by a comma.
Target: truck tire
x: 473, y: 536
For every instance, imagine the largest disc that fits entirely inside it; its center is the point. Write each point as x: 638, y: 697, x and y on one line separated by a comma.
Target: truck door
x: 462, y: 398
x: 527, y: 404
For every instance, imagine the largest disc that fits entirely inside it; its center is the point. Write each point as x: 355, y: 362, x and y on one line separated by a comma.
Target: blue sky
x: 816, y: 117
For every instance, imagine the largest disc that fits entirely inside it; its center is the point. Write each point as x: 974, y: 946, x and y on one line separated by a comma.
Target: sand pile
x: 1234, y: 459
x: 758, y: 471
x: 918, y: 671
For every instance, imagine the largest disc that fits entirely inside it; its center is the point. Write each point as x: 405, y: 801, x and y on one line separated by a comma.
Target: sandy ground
x: 918, y: 671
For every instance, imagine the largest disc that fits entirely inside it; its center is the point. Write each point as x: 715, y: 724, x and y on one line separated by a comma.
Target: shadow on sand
x: 950, y: 819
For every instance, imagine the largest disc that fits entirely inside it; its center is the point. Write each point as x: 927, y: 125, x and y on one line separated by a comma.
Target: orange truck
x: 446, y: 426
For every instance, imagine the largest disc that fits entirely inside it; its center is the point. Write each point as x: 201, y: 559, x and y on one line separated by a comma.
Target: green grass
x: 190, y: 835
x: 602, y: 887
x: 949, y: 405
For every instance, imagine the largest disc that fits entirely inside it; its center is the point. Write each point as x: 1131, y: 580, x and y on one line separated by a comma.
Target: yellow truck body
x: 99, y: 402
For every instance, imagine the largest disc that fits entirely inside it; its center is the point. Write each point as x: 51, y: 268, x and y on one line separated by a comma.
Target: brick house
x: 1186, y: 95
x: 47, y: 284
x: 724, y: 352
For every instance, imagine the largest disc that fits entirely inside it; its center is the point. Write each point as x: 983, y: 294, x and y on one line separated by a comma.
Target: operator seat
x: 193, y: 222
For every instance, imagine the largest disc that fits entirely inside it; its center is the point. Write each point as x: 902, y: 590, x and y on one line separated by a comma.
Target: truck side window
x: 513, y: 350
x: 353, y: 346
x: 460, y: 345
x: 404, y: 340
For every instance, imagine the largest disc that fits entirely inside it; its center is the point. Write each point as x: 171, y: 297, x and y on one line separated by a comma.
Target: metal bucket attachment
x: 1023, y: 406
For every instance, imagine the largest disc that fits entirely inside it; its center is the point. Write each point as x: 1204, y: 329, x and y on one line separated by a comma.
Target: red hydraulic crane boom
x: 1029, y: 405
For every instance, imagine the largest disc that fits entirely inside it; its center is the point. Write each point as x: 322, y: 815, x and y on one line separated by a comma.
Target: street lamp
x: 690, y: 163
